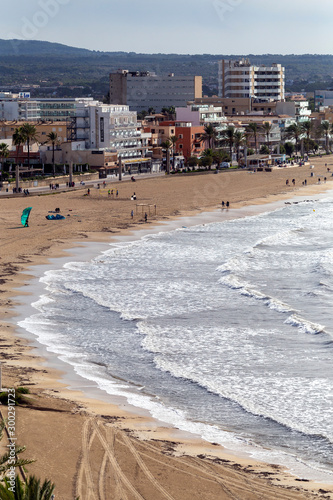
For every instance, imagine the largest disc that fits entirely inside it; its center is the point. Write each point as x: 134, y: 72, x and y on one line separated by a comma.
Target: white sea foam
x: 304, y: 325
x: 193, y: 299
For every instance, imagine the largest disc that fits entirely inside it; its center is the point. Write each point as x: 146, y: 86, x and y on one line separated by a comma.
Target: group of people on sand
x: 225, y: 205
x: 111, y: 193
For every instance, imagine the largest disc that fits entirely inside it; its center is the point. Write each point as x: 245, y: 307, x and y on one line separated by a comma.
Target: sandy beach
x: 95, y: 449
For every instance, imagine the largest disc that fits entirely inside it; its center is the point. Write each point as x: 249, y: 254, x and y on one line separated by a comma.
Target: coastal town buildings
x: 20, y: 106
x: 323, y: 98
x: 241, y: 79
x: 144, y: 90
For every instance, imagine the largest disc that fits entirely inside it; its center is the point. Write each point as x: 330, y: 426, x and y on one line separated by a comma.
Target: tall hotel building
x: 241, y: 79
x: 142, y: 90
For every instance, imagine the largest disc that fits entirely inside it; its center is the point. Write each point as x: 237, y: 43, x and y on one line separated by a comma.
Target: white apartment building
x: 240, y: 79
x: 22, y: 107
x: 109, y: 127
x: 142, y: 90
x: 201, y: 114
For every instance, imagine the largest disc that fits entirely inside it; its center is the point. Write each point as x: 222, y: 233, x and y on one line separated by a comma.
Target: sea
x: 222, y: 329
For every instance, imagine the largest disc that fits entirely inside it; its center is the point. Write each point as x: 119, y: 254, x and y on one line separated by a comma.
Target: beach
x: 90, y: 447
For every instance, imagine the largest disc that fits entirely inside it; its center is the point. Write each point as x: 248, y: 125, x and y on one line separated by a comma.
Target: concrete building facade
x: 21, y: 107
x: 110, y: 127
x: 241, y: 79
x: 201, y: 114
x: 143, y: 90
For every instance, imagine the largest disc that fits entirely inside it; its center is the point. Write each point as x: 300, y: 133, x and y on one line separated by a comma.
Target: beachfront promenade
x: 78, y: 185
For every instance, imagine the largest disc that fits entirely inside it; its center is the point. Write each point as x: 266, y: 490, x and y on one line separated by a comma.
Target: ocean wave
x: 247, y: 290
x: 304, y: 325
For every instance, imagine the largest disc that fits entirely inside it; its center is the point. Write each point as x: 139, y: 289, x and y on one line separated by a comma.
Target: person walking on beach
x: 146, y: 216
x: 222, y: 204
x: 117, y: 194
x: 227, y: 204
x: 132, y: 214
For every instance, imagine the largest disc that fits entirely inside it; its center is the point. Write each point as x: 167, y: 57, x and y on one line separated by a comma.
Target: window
x: 180, y: 136
x: 180, y: 146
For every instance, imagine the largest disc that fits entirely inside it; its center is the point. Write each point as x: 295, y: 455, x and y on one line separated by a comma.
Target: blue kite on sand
x: 25, y: 216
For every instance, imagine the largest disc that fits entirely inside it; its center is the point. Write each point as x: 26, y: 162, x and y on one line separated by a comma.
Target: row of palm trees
x: 235, y: 139
x: 27, y: 134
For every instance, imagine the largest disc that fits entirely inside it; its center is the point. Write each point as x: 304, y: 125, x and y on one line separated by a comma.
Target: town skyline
x: 224, y: 26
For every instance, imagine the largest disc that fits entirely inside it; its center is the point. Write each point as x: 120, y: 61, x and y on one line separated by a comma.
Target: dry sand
x: 99, y: 450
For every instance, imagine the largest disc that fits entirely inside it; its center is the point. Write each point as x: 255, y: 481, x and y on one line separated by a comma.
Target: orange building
x: 188, y: 137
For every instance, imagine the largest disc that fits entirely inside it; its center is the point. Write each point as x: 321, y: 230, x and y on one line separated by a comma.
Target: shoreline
x: 53, y: 383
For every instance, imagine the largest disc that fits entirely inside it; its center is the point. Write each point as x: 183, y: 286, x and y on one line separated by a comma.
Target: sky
x: 175, y: 26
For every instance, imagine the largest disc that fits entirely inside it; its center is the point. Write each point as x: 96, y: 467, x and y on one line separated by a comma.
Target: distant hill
x: 37, y: 48
x: 53, y: 64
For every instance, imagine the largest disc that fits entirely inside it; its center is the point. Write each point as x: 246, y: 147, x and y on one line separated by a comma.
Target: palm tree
x: 295, y: 132
x: 239, y: 141
x: 229, y: 138
x: 173, y: 139
x: 4, y: 153
x: 209, y: 135
x: 267, y: 129
x: 6, y: 459
x: 18, y: 140
x: 31, y: 489
x: 324, y: 127
x: 307, y: 129
x: 167, y: 145
x: 30, y: 135
x: 53, y: 137
x: 252, y: 129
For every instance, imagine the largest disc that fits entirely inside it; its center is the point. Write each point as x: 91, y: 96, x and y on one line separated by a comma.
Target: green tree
x: 290, y: 148
x: 53, y: 138
x: 264, y: 149
x: 192, y: 161
x: 4, y: 153
x: 229, y: 138
x: 142, y: 114
x: 29, y: 133
x: 266, y: 130
x: 32, y: 489
x: 295, y: 132
x: 307, y: 127
x: 324, y: 129
x: 209, y: 135
x: 239, y: 141
x: 167, y: 146
x: 253, y: 131
x: 206, y: 159
x: 173, y: 139
x: 151, y: 110
x: 18, y: 140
